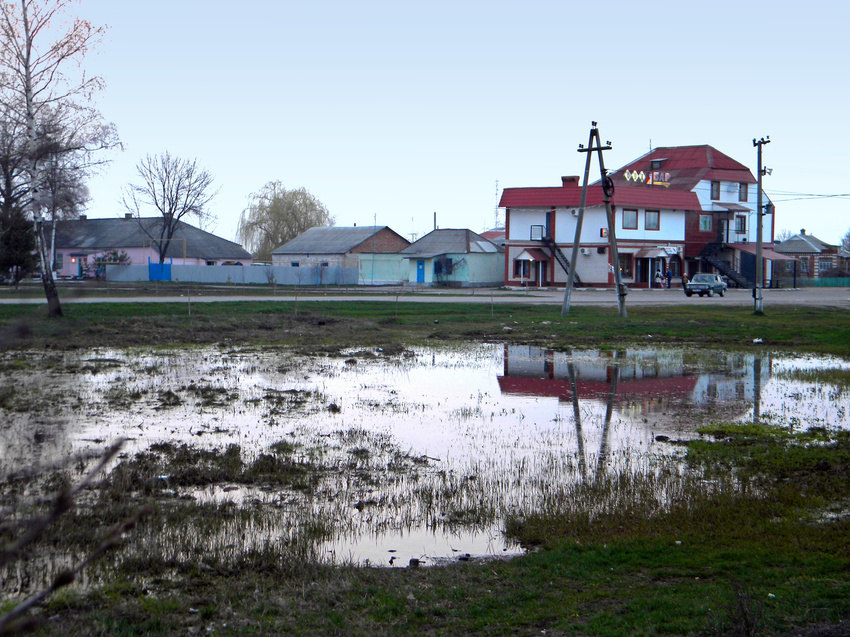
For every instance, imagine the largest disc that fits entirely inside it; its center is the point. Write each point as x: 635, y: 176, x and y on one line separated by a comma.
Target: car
x: 706, y: 284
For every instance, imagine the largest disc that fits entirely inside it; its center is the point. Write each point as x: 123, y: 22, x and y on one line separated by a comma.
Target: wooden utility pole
x: 759, y: 284
x: 594, y: 144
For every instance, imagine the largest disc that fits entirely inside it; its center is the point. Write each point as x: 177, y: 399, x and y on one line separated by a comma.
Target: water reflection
x: 427, y: 452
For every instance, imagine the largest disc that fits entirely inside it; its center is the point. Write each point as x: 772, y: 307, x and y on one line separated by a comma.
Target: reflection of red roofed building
x: 642, y: 389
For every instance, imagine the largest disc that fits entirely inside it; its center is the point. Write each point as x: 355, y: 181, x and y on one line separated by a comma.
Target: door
x: 420, y: 271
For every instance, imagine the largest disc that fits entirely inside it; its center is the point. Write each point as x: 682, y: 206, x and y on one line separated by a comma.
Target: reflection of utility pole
x: 607, y: 191
x: 756, y: 389
x: 759, y: 284
x: 582, y: 464
x: 606, y: 427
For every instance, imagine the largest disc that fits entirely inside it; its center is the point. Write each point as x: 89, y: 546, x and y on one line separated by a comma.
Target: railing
x: 561, y: 258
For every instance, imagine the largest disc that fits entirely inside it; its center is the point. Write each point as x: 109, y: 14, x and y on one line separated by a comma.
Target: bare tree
x: 176, y: 188
x: 783, y: 235
x: 845, y: 241
x: 41, y: 78
x: 277, y: 215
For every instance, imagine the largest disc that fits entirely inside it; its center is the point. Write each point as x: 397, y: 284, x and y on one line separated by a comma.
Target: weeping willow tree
x: 276, y: 215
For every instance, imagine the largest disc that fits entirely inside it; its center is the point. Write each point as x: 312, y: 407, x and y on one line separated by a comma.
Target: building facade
x: 680, y: 210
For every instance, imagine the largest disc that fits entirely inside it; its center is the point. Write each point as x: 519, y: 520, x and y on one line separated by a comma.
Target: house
x: 83, y: 244
x: 371, y: 250
x: 809, y: 257
x: 454, y: 257
x: 684, y: 209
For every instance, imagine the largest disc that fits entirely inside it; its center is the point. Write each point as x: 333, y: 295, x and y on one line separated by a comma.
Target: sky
x: 402, y: 113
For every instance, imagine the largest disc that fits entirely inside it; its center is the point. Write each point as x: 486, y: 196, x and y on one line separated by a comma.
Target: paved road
x: 828, y: 297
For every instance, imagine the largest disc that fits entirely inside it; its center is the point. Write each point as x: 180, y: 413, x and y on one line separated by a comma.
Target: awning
x: 766, y: 252
x: 532, y: 254
x: 731, y: 207
x: 652, y: 253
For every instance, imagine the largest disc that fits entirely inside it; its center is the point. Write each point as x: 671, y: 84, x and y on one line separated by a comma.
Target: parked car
x: 706, y: 284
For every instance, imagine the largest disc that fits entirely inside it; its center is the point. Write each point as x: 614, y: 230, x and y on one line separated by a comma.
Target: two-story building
x: 684, y: 209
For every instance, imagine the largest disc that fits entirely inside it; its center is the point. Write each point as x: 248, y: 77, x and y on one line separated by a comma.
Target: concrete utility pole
x: 759, y: 283
x: 607, y: 191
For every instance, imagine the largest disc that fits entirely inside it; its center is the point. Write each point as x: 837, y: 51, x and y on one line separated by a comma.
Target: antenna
x: 496, y: 207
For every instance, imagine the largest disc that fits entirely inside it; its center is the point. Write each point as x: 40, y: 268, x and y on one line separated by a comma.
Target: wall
x: 251, y: 275
x: 385, y: 241
x: 382, y: 269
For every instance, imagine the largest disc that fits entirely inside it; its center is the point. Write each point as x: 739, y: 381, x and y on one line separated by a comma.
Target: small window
x: 57, y: 261
x: 629, y: 219
x: 626, y: 265
x: 652, y: 220
x: 210, y: 262
x: 294, y: 264
x: 522, y: 268
x: 323, y: 264
x: 655, y: 164
x: 705, y: 223
x: 536, y: 233
x: 804, y: 265
x: 743, y: 192
x: 715, y: 190
x: 740, y: 224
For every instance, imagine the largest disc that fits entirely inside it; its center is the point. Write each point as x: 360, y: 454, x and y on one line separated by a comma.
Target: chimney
x: 572, y: 180
x: 128, y: 215
x: 802, y: 231
x: 83, y: 217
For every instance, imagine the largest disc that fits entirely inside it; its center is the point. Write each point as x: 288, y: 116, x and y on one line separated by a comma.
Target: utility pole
x: 607, y: 191
x: 759, y: 284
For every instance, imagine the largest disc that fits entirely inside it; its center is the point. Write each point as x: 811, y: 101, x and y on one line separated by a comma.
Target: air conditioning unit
x: 585, y: 251
x: 574, y: 212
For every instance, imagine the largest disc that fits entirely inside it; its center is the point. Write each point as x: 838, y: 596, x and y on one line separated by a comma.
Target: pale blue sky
x: 389, y: 111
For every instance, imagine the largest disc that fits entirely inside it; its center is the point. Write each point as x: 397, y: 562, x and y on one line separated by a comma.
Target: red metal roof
x: 687, y: 166
x: 570, y: 197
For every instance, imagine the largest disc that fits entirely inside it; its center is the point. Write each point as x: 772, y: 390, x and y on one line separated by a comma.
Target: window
x: 210, y: 262
x: 57, y: 261
x: 629, y: 219
x: 324, y: 264
x: 655, y: 164
x: 715, y: 190
x: 743, y: 192
x: 705, y: 223
x: 626, y: 265
x: 740, y: 224
x: 804, y: 266
x: 536, y: 233
x: 522, y: 269
x: 652, y: 219
x: 824, y: 265
x: 294, y: 264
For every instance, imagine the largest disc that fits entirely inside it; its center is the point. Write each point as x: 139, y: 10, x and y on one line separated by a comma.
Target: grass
x: 748, y: 538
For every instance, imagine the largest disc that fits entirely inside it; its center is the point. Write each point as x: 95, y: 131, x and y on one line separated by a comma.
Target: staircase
x: 709, y: 255
x: 562, y: 259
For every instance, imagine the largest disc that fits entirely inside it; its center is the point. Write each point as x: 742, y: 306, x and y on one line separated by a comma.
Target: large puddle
x: 434, y: 447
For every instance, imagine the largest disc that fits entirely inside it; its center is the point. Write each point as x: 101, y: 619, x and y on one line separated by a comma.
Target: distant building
x: 82, y: 244
x: 454, y: 257
x: 372, y: 250
x: 685, y: 209
x: 811, y: 257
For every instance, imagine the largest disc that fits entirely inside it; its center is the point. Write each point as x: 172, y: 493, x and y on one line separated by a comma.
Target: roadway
x: 824, y: 297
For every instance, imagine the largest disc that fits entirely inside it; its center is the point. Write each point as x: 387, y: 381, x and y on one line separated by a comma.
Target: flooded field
x: 383, y: 457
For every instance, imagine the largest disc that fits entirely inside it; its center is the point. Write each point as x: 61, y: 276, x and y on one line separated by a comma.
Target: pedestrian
x: 669, y: 276
x: 658, y: 279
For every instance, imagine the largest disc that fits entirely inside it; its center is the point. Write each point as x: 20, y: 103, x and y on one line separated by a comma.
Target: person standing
x: 669, y: 276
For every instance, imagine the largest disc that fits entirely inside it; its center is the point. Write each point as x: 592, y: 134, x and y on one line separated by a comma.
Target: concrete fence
x: 241, y: 275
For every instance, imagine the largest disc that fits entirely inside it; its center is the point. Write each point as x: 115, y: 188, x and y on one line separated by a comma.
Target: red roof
x: 570, y: 197
x: 687, y: 166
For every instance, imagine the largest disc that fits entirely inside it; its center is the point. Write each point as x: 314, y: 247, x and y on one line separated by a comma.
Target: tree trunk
x: 54, y: 308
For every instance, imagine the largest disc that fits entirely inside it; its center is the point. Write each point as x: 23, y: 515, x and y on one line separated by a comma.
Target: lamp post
x: 759, y: 282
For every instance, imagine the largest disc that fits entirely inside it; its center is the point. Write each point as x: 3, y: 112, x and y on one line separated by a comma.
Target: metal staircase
x: 562, y: 259
x: 709, y: 255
